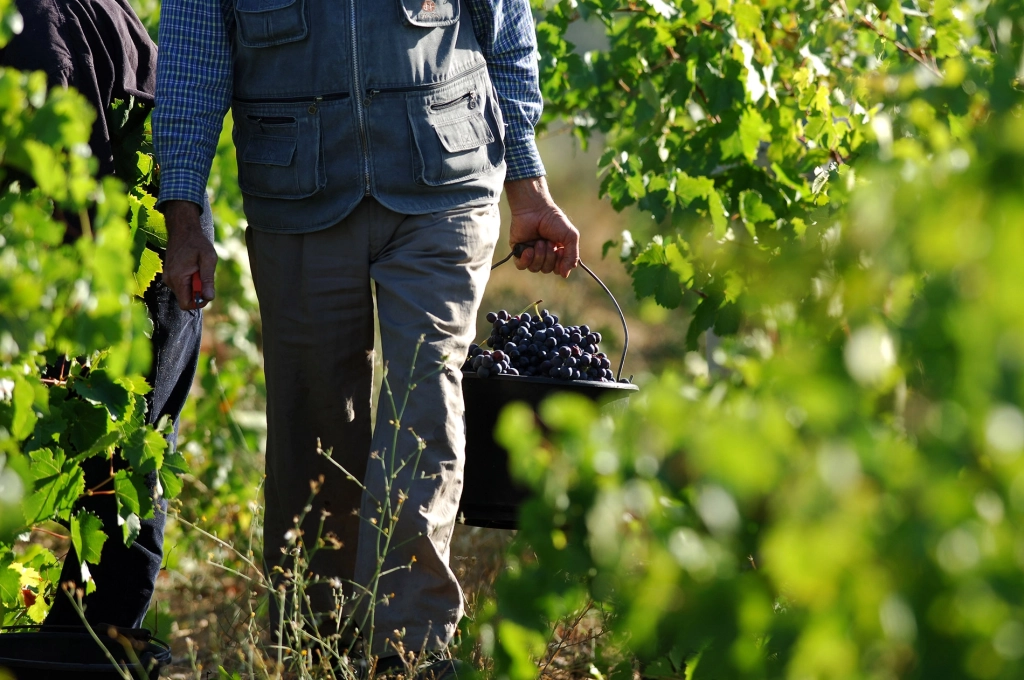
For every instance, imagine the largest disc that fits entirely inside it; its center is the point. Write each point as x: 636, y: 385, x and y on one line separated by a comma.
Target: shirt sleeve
x: 193, y: 93
x: 504, y: 29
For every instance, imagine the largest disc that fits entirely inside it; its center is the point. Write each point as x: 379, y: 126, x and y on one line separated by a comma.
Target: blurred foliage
x: 74, y: 333
x: 73, y: 336
x: 839, y: 492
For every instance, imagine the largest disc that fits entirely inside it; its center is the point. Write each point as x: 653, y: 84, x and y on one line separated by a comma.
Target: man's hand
x: 536, y: 219
x: 188, y: 251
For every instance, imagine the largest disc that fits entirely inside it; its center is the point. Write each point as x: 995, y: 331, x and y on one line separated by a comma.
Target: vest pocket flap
x: 430, y: 13
x: 279, y: 150
x: 266, y: 23
x: 262, y: 5
x: 463, y: 134
x: 268, y: 150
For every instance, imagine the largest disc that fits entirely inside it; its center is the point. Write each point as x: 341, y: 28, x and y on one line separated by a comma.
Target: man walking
x: 374, y: 138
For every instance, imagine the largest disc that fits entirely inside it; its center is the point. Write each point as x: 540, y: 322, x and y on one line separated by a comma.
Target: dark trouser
x: 126, y: 576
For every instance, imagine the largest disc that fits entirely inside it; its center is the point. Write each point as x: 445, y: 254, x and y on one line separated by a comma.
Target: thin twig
x: 914, y: 54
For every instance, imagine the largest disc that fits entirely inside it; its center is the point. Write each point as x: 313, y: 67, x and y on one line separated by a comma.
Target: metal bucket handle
x: 517, y: 252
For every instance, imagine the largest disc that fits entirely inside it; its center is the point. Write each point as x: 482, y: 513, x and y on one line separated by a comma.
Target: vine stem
x: 912, y: 53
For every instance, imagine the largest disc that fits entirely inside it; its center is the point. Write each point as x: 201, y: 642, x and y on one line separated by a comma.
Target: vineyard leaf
x: 703, y: 319
x: 170, y: 473
x: 660, y: 281
x: 87, y: 536
x: 131, y: 526
x: 46, y: 168
x: 99, y: 388
x: 746, y: 140
x: 688, y: 189
x: 10, y: 586
x: 753, y: 210
x: 38, y: 611
x: 727, y: 321
x: 23, y: 399
x: 86, y: 424
x: 47, y: 431
x: 147, y: 220
x: 135, y: 384
x: 150, y: 265
x: 144, y: 450
x: 137, y: 418
x: 56, y: 484
x: 719, y: 215
x: 101, y: 445
x: 126, y: 493
x: 748, y: 19
x: 678, y: 263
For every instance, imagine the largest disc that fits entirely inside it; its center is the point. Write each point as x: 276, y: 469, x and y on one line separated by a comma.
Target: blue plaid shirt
x: 193, y: 87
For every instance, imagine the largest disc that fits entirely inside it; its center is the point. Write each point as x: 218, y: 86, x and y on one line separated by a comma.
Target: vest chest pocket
x: 265, y: 23
x: 278, y: 154
x: 429, y: 13
x: 454, y: 139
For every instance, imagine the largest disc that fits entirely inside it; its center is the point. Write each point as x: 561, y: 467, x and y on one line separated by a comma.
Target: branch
x: 914, y: 54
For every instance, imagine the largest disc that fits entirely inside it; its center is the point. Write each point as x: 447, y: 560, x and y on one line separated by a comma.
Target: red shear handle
x: 197, y: 291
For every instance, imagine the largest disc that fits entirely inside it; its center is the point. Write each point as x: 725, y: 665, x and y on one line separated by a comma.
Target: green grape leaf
x: 102, y: 444
x: 703, y: 319
x: 55, y: 484
x: 150, y: 265
x: 748, y: 19
x: 662, y: 272
x: 170, y: 473
x: 753, y: 210
x: 10, y: 586
x: 148, y: 220
x: 126, y: 494
x: 133, y: 496
x: 144, y: 450
x: 606, y: 246
x: 689, y: 189
x: 135, y: 384
x: 719, y: 215
x: 746, y: 140
x: 87, y: 536
x: 137, y: 419
x: 48, y: 429
x: 131, y: 526
x: 99, y: 388
x: 23, y: 400
x: 38, y: 611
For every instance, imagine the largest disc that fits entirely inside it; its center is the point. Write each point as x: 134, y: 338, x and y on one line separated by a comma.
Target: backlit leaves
x: 55, y: 484
x: 663, y: 272
x: 87, y: 536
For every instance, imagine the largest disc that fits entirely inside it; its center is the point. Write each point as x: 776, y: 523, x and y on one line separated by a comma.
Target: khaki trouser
x: 315, y: 299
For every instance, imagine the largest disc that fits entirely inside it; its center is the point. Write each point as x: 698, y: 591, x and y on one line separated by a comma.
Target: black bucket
x: 490, y: 498
x: 73, y: 654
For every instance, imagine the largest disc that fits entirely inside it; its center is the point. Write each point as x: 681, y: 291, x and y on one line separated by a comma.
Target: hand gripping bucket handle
x: 517, y: 252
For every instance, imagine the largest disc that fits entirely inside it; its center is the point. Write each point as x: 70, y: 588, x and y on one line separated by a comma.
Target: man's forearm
x: 193, y: 90
x: 508, y: 41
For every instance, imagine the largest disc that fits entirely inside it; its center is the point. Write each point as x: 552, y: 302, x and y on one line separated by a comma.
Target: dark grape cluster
x: 539, y: 346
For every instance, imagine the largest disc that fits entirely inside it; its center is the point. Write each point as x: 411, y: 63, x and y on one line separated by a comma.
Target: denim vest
x: 335, y: 100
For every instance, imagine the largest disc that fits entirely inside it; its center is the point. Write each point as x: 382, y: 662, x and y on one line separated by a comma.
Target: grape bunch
x: 539, y: 346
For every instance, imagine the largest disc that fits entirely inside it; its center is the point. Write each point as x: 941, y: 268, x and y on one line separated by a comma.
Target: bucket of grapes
x: 527, y: 357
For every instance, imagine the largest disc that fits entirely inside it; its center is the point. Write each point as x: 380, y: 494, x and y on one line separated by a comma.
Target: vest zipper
x: 333, y: 96
x: 426, y: 86
x: 359, y: 102
x: 471, y: 96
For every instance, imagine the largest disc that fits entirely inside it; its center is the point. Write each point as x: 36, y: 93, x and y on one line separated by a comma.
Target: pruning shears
x: 197, y: 291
